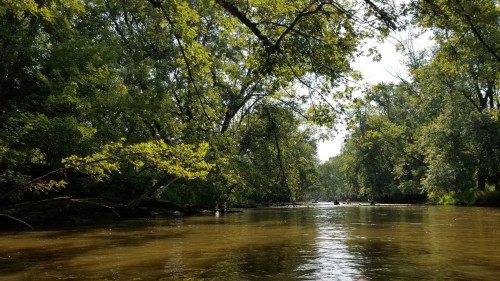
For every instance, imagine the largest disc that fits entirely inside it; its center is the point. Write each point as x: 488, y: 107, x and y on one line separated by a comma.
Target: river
x: 319, y: 242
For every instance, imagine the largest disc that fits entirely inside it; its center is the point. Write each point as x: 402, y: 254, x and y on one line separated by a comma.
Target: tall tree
x: 468, y: 63
x: 82, y: 79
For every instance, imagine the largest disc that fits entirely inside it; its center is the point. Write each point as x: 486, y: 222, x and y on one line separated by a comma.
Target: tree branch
x: 158, y: 5
x: 280, y: 155
x: 233, y: 10
x: 294, y: 23
x: 382, y: 15
x: 476, y: 32
x: 17, y: 220
x: 61, y: 170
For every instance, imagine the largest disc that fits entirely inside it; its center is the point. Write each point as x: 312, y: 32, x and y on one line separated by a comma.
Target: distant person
x: 348, y: 201
x: 336, y: 202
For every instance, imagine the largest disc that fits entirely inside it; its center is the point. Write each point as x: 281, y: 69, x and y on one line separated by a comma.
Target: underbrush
x: 469, y: 197
x: 488, y: 198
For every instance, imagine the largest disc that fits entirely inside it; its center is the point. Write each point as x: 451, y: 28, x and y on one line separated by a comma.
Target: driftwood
x: 64, y: 210
x: 52, y: 211
x: 157, y: 203
x: 54, y: 202
x: 16, y: 220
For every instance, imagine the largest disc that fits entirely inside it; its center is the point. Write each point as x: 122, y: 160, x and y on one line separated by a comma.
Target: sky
x: 373, y: 73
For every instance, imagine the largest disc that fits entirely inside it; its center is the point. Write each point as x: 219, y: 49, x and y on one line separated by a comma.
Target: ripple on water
x: 332, y: 259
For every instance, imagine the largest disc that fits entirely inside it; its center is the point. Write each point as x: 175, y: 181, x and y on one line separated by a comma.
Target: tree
x: 438, y: 132
x: 468, y: 64
x: 82, y: 79
x: 333, y: 180
x: 277, y: 157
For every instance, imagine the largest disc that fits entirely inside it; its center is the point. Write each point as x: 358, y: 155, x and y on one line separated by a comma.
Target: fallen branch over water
x: 17, y: 220
x: 67, y: 210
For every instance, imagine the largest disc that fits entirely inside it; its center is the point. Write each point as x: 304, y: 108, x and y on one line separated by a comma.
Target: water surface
x: 321, y: 242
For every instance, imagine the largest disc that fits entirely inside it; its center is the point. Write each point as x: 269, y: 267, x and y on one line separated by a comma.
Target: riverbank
x: 66, y: 211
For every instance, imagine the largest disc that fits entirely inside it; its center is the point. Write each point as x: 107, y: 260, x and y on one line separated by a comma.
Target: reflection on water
x: 332, y: 259
x: 322, y: 242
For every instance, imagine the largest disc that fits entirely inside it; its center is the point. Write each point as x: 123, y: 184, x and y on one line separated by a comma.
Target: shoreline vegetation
x: 123, y: 108
x: 67, y: 211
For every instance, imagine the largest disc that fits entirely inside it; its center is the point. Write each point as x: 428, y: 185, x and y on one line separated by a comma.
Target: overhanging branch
x: 157, y: 4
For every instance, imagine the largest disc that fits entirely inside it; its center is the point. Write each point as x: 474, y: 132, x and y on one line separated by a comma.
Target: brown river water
x: 319, y: 242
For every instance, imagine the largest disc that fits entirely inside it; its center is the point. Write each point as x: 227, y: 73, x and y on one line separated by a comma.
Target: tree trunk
x: 481, y: 179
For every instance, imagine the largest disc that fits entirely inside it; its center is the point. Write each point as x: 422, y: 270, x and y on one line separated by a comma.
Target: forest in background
x: 201, y: 103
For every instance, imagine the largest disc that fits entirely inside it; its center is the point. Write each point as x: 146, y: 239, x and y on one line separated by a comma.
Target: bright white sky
x: 373, y: 73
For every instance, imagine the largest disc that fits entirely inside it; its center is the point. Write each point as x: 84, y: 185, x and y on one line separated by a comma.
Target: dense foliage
x: 436, y: 134
x: 206, y: 102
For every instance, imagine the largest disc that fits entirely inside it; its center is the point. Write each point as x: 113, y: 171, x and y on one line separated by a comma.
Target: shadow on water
x: 47, y: 251
x: 198, y: 247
